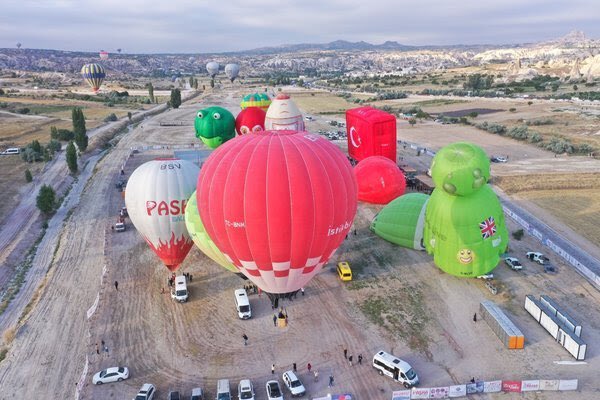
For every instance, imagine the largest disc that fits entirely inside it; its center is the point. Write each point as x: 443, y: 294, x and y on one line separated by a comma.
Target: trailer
x: 503, y: 327
x: 568, y: 321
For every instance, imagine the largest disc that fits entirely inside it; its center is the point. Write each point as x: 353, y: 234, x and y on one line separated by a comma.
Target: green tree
x: 195, y: 83
x: 81, y: 138
x: 46, y: 199
x: 151, y: 91
x: 175, y: 98
x: 129, y: 115
x: 191, y: 81
x: 53, y: 132
x: 35, y: 146
x: 412, y: 121
x: 575, y: 87
x: 28, y: 176
x: 71, y: 156
x: 53, y: 146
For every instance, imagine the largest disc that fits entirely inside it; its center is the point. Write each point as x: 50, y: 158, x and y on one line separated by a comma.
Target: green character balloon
x: 214, y: 126
x: 464, y: 220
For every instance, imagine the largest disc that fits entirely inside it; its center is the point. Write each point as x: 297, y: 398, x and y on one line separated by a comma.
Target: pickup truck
x: 120, y: 227
x: 538, y: 257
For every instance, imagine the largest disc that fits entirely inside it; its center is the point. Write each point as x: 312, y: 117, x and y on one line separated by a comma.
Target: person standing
x: 345, y: 353
x: 274, y: 320
x: 272, y: 368
x: 350, y: 360
x: 360, y: 359
x: 316, y: 375
x: 117, y: 285
x: 245, y: 339
x: 309, y: 367
x: 294, y: 367
x: 331, y: 380
x: 475, y: 317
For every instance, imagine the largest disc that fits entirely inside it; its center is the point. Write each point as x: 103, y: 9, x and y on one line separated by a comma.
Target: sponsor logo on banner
x: 439, y: 392
x: 511, y: 386
x: 530, y: 386
x: 492, y: 386
x: 457, y: 391
x: 419, y: 393
x: 547, y: 384
x: 401, y: 394
x: 476, y: 387
x: 568, y: 384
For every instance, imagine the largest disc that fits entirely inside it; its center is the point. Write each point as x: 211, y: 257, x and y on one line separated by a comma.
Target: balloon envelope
x: 94, y: 75
x: 379, y: 180
x: 251, y: 119
x: 195, y: 228
x: 232, y: 71
x: 156, y: 197
x: 103, y: 55
x: 402, y: 221
x: 460, y: 168
x: 212, y: 68
x: 283, y: 114
x: 260, y: 100
x: 371, y: 132
x: 214, y: 126
x: 277, y: 204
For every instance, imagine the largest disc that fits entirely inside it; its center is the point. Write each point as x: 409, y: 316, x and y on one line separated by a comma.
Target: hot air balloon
x: 212, y: 68
x: 371, y: 132
x: 18, y: 45
x: 402, y: 221
x: 277, y: 204
x: 156, y: 199
x: 379, y: 180
x: 251, y: 119
x: 196, y: 230
x: 260, y: 100
x: 94, y: 75
x: 232, y: 71
x: 214, y: 126
x: 283, y: 114
x: 119, y: 51
x: 103, y: 55
x: 464, y: 220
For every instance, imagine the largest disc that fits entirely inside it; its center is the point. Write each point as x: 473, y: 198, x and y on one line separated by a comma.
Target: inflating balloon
x: 214, y: 126
x: 94, y: 75
x: 195, y: 228
x: 464, y: 220
x: 260, y: 100
x: 379, y: 180
x: 156, y: 198
x: 283, y: 114
x: 402, y: 221
x: 277, y: 204
x: 371, y: 132
x: 251, y: 119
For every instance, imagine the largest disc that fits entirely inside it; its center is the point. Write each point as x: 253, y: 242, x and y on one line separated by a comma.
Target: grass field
x: 12, y: 179
x: 547, y: 182
x: 321, y: 103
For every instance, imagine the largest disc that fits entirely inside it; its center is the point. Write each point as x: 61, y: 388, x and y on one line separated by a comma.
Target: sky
x: 200, y: 26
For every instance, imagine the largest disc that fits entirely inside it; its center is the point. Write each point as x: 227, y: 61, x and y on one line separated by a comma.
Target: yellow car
x: 344, y: 271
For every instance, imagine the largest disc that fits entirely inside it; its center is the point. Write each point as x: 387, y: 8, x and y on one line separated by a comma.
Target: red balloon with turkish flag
x: 277, y: 204
x: 250, y: 119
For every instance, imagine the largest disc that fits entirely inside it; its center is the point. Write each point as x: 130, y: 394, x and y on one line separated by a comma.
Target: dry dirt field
x: 399, y: 302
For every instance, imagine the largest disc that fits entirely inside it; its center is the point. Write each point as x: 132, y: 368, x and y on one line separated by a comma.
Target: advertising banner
x: 401, y: 394
x: 457, y: 391
x: 511, y: 386
x: 492, y: 386
x: 439, y: 392
x: 567, y: 384
x: 549, y: 384
x: 476, y: 387
x: 419, y: 393
x: 530, y: 386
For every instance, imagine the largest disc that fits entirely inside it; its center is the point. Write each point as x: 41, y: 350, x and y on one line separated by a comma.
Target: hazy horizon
x: 185, y: 26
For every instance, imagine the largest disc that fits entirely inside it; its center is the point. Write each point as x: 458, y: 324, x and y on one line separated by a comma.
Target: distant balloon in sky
x: 251, y: 119
x: 156, y: 197
x: 103, y: 55
x: 94, y: 75
x: 212, y: 68
x: 214, y: 126
x: 119, y: 51
x: 18, y: 45
x: 232, y: 71
x: 379, y: 180
x: 284, y: 114
x: 277, y: 204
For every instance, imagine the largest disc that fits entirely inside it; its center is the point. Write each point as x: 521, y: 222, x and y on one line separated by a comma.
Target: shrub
x: 46, y: 199
x: 28, y: 176
x: 518, y: 234
x: 535, y: 138
x: 112, y: 117
x: 512, y: 109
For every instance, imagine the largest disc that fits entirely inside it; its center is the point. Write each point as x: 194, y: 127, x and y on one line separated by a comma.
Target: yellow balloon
x: 201, y: 239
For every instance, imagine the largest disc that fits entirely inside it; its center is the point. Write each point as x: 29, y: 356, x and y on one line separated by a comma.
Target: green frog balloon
x: 214, y: 126
x: 464, y: 220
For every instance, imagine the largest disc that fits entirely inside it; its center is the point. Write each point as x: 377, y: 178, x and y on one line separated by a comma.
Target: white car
x: 146, y: 392
x: 513, y: 263
x: 274, y: 391
x: 537, y: 257
x: 245, y: 390
x: 486, y: 276
x: 113, y: 374
x: 499, y: 159
x: 294, y: 385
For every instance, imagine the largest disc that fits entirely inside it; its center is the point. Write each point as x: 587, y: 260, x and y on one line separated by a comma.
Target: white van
x: 390, y: 365
x: 223, y: 392
x: 11, y: 150
x: 179, y: 291
x: 242, y: 304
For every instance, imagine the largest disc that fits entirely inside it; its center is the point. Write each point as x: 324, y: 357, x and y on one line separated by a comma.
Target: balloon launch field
x: 398, y: 301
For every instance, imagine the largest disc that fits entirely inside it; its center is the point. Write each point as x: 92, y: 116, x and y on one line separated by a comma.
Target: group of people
x: 350, y: 358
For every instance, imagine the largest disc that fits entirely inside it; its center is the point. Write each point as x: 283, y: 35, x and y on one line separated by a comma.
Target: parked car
x: 197, y: 394
x: 174, y: 395
x: 274, y: 391
x: 245, y: 390
x: 291, y: 381
x: 486, y: 276
x: 499, y: 159
x: 344, y: 271
x: 113, y: 374
x: 146, y: 392
x: 537, y: 257
x: 120, y: 227
x: 513, y: 263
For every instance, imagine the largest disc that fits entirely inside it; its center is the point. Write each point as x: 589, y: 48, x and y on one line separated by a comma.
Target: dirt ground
x: 399, y: 302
